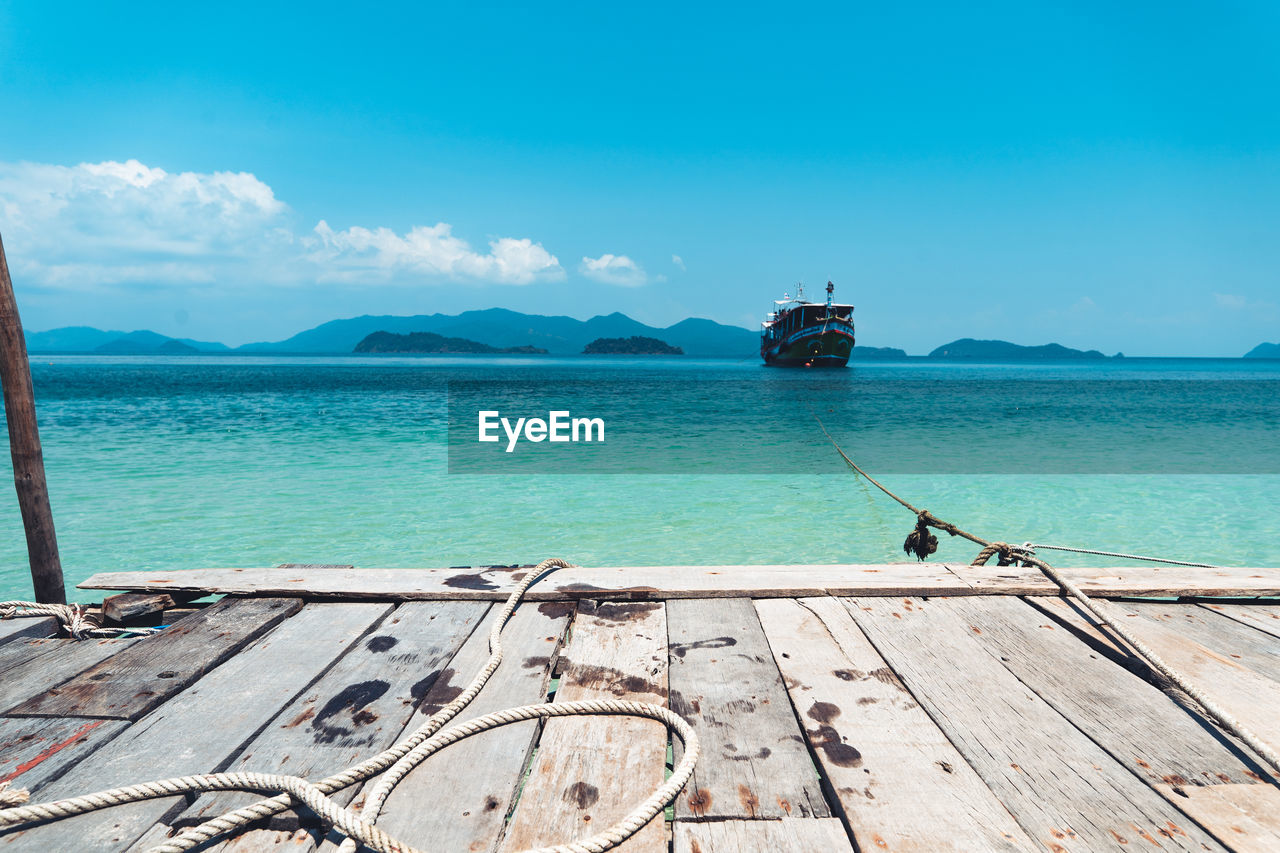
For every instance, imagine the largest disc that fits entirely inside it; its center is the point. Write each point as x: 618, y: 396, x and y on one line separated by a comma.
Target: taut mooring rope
x: 401, y: 758
x: 1011, y: 553
x: 1034, y: 546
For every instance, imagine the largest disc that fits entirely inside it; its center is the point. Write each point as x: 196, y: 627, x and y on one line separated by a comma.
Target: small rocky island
x: 635, y: 345
x: 431, y: 343
x: 970, y: 349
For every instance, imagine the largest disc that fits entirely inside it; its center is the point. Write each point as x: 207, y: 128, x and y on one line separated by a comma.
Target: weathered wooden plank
x: 129, y: 605
x: 1249, y: 697
x: 591, y: 771
x: 1242, y: 643
x: 471, y: 784
x: 636, y: 583
x: 137, y: 679
x: 1264, y: 617
x: 198, y: 730
x: 761, y: 836
x: 901, y: 784
x: 667, y: 582
x: 1152, y: 581
x: 723, y: 680
x: 1171, y: 746
x: 356, y: 709
x: 23, y: 651
x: 1061, y: 786
x: 35, y: 750
x: 54, y: 662
x: 27, y: 627
x: 1247, y: 814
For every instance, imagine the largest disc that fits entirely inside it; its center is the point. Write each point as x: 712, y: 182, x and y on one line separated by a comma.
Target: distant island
x: 970, y: 349
x: 635, y: 345
x: 877, y: 354
x: 1264, y: 351
x: 430, y: 342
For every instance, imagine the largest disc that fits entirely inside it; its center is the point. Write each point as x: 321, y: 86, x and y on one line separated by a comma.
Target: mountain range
x: 503, y: 329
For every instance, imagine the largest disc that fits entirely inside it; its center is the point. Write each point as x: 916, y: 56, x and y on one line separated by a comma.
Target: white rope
x: 401, y: 758
x: 1033, y: 546
x: 72, y: 616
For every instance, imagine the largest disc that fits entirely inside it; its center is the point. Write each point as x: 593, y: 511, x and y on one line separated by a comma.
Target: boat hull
x: 814, y: 347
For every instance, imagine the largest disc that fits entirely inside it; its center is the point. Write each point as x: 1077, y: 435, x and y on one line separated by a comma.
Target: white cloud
x: 613, y: 269
x: 678, y: 261
x: 359, y: 253
x: 82, y: 227
x: 1230, y: 300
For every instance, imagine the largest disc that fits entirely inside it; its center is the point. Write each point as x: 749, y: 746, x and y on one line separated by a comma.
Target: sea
x: 224, y: 461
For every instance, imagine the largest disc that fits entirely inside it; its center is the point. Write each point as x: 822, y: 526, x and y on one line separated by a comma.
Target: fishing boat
x: 807, y: 334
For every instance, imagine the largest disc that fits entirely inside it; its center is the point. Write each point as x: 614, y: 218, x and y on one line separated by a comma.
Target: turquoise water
x: 193, y: 462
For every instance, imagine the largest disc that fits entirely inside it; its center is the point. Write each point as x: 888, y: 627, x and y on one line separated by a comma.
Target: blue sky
x: 1101, y: 175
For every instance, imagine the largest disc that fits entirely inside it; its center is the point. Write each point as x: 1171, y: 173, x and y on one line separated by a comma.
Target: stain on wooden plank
x: 591, y: 771
x: 899, y: 781
x: 761, y: 836
x: 356, y: 709
x: 199, y: 730
x: 723, y: 680
x: 1065, y: 791
x: 137, y: 679
x: 471, y: 784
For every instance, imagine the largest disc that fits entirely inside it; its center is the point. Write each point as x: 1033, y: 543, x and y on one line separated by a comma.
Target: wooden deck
x: 902, y: 708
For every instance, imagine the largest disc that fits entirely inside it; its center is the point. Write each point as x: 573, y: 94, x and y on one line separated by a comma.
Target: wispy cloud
x: 679, y: 262
x: 82, y: 227
x: 613, y: 269
x: 1230, y: 300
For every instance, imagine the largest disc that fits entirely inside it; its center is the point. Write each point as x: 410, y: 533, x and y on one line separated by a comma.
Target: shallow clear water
x: 192, y: 462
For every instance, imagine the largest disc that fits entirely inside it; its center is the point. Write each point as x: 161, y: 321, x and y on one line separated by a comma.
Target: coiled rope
x: 72, y: 617
x: 1010, y: 554
x: 428, y: 739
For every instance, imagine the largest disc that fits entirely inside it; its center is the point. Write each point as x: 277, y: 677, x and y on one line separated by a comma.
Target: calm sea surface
x: 191, y: 462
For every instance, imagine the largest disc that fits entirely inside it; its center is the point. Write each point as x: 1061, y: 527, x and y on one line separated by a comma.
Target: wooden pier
x: 916, y: 707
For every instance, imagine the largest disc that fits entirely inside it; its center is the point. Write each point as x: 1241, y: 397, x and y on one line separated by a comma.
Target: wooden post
x: 24, y: 445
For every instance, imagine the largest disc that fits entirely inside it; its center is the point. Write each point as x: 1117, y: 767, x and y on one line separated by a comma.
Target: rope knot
x: 1008, y: 554
x: 920, y: 541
